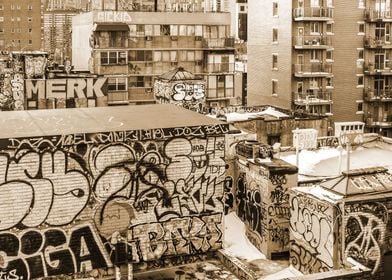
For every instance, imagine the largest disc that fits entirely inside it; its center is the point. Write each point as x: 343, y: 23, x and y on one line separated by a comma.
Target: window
x: 361, y: 28
x: 275, y: 35
x: 113, y: 58
x: 329, y: 55
x: 330, y: 28
x: 1, y: 7
x: 17, y: 18
x: 30, y: 7
x: 315, y: 55
x: 117, y: 84
x: 29, y: 19
x: 140, y: 81
x: 329, y: 82
x: 275, y: 9
x: 359, y: 80
x: 315, y: 3
x: 359, y: 106
x: 1, y: 19
x: 315, y: 28
x: 140, y: 55
x: 360, y: 54
x: 165, y: 30
x: 18, y: 7
x: 361, y: 4
x: 12, y: 7
x: 1, y: 30
x: 275, y: 62
x: 30, y: 30
x: 30, y: 42
x: 274, y: 87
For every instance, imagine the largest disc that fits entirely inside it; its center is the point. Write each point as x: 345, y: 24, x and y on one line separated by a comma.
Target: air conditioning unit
x: 5, y: 52
x: 148, y: 38
x: 198, y: 38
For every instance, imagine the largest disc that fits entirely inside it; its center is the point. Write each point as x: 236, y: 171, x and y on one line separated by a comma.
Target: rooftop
x: 178, y: 74
x: 31, y: 123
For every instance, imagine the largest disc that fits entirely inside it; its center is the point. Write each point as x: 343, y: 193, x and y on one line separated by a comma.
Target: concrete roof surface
x: 16, y: 124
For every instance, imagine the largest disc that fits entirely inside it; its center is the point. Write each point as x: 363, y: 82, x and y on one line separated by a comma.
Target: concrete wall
x: 367, y: 235
x: 262, y: 204
x: 82, y: 202
x: 312, y: 234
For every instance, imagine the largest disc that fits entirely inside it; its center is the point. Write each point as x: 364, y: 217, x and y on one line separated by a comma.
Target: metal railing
x: 371, y: 14
x: 374, y: 42
x: 313, y: 69
x: 313, y: 12
x: 312, y: 41
x: 372, y: 94
x: 218, y: 43
x: 314, y: 97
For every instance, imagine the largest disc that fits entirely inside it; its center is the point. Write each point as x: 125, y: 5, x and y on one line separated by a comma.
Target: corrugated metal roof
x: 34, y: 123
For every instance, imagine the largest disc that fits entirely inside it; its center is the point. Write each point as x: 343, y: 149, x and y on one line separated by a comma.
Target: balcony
x: 371, y: 68
x: 379, y: 122
x: 312, y: 98
x: 218, y: 43
x: 372, y: 95
x: 374, y: 16
x: 313, y: 70
x: 312, y: 42
x: 313, y: 14
x: 377, y: 42
x: 220, y: 68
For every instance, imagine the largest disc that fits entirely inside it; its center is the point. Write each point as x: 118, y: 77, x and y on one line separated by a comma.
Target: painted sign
x: 188, y: 92
x: 113, y: 16
x: 305, y: 138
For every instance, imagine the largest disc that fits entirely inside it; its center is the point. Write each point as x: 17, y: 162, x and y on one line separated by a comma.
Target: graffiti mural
x: 306, y: 260
x: 311, y: 228
x: 366, y: 231
x: 12, y: 91
x: 76, y: 203
x: 188, y: 94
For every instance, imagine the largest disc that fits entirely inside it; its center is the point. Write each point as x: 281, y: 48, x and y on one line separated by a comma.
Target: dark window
x: 165, y: 30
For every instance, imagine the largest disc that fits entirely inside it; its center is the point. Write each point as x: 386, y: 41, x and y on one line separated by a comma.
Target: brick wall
x: 82, y: 202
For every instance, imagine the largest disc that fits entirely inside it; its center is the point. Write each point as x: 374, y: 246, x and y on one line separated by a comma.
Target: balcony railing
x: 313, y: 13
x: 220, y: 67
x: 313, y: 98
x: 378, y: 95
x: 373, y: 15
x: 312, y: 69
x: 218, y: 43
x: 377, y: 42
x: 310, y: 42
x: 372, y: 68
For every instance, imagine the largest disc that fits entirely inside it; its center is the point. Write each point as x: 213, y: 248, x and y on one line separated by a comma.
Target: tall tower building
x: 20, y: 25
x: 57, y: 26
x: 323, y: 57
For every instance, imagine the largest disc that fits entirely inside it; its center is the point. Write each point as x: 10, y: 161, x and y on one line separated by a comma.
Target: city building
x: 133, y: 47
x: 299, y: 60
x: 239, y: 19
x: 20, y: 25
x: 57, y: 27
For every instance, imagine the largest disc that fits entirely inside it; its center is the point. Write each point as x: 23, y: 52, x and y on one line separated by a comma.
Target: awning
x: 111, y: 27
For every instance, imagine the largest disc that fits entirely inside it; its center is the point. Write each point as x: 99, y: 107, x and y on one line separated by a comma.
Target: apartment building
x: 323, y: 57
x: 57, y: 26
x: 375, y: 25
x: 239, y: 19
x: 131, y: 48
x: 20, y: 25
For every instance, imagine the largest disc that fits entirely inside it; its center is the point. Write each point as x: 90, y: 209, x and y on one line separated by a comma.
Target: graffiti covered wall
x: 76, y: 203
x: 66, y: 93
x: 262, y: 203
x: 189, y: 94
x: 311, y: 234
x: 368, y: 232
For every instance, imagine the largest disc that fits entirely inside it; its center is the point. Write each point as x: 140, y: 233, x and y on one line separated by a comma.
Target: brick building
x: 98, y: 189
x: 133, y: 47
x: 20, y: 25
x: 299, y: 59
